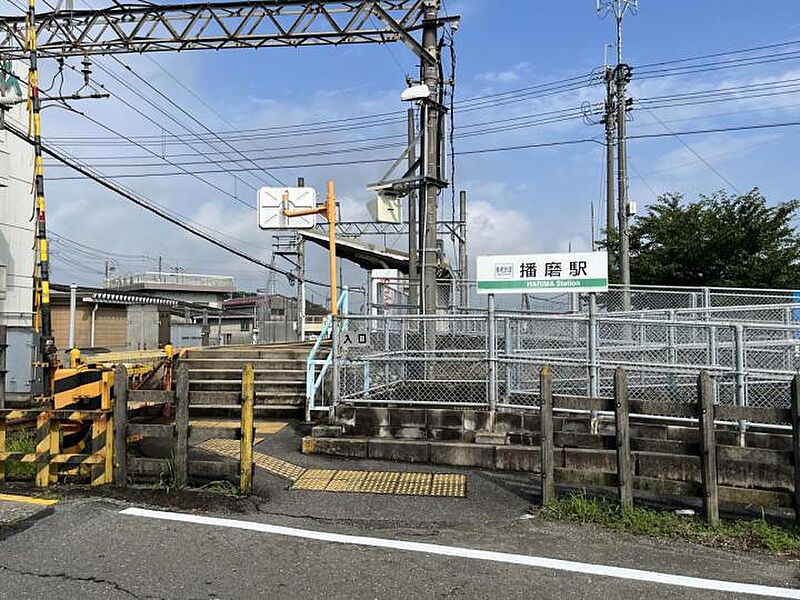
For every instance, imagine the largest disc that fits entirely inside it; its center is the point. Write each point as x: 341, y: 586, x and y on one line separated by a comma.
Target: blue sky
x: 529, y: 200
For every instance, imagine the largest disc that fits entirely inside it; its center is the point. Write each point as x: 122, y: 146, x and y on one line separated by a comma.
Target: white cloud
x: 510, y: 75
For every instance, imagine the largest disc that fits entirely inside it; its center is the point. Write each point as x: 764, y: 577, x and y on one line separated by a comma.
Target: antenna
x: 618, y: 8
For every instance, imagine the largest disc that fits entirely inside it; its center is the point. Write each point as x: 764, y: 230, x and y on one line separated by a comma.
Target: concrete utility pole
x: 623, y: 74
x: 463, y: 258
x: 431, y: 148
x: 610, y: 123
x: 413, y: 221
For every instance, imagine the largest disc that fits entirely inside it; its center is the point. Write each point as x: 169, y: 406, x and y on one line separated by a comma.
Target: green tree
x: 719, y: 240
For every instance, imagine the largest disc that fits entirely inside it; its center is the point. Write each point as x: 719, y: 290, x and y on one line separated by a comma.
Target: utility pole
x: 463, y: 258
x: 610, y: 124
x: 431, y: 151
x: 622, y: 75
x: 41, y: 301
x: 413, y: 222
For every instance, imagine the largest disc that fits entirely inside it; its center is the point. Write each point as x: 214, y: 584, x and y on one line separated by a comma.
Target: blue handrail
x: 314, y: 380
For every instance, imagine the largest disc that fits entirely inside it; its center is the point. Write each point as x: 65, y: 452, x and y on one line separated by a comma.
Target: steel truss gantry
x: 137, y: 28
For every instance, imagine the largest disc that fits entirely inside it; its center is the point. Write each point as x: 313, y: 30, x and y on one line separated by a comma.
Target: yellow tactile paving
x: 314, y: 479
x: 414, y: 484
x: 384, y: 482
x: 278, y: 467
x: 262, y: 427
x: 274, y: 465
x: 449, y: 485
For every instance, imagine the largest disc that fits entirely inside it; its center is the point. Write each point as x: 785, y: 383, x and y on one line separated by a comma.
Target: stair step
x: 228, y: 398
x: 275, y: 375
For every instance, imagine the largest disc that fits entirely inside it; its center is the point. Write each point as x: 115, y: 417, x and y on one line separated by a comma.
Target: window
x: 244, y: 325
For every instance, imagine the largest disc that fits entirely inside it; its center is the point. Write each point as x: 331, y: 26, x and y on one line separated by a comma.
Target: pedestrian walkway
x: 262, y: 427
x: 363, y: 482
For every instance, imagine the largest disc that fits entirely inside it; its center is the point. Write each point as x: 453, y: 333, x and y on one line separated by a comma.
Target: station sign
x: 273, y: 201
x: 582, y: 272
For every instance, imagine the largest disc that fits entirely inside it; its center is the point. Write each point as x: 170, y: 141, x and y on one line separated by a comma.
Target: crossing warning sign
x: 354, y: 339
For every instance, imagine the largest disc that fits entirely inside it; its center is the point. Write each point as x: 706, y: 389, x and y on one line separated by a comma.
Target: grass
x: 738, y: 534
x: 224, y: 488
x: 21, y: 442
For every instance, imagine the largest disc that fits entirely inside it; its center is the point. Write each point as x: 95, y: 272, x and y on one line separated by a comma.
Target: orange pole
x: 330, y: 205
x: 329, y: 211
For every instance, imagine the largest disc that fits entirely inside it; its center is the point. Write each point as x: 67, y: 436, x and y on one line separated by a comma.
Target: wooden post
x: 43, y: 449
x: 55, y: 449
x: 246, y: 447
x: 121, y: 426
x: 708, y: 448
x: 796, y: 443
x: 624, y: 469
x: 181, y: 456
x: 2, y: 447
x: 548, y: 462
x: 100, y: 433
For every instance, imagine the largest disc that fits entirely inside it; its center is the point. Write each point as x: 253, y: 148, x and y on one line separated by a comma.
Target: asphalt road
x: 86, y: 548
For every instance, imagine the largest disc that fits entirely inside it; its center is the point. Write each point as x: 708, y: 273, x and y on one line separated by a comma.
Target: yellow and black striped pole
x: 41, y: 287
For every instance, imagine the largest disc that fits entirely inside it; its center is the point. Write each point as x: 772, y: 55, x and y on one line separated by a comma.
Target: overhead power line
x: 144, y: 203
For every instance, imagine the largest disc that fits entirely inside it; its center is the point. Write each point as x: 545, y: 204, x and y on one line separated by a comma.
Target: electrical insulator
x: 86, y: 70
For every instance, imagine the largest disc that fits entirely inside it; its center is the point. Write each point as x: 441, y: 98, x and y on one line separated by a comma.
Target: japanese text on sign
x: 571, y: 272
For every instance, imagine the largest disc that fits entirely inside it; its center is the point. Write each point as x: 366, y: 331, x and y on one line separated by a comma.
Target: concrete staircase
x: 215, y: 376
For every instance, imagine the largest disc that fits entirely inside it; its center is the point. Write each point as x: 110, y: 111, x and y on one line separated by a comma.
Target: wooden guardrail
x: 710, y: 453
x: 179, y: 435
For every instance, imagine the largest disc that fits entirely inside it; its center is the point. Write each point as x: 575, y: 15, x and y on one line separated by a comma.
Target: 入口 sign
x: 543, y: 273
x: 354, y: 339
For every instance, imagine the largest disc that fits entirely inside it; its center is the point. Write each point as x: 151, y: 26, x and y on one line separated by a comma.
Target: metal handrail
x: 314, y: 381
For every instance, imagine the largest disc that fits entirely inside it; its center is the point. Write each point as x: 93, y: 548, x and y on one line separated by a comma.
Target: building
x: 16, y: 240
x: 210, y: 290
x: 265, y: 318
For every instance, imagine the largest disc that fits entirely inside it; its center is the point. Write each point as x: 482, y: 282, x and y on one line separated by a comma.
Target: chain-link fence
x: 399, y: 296
x: 493, y: 359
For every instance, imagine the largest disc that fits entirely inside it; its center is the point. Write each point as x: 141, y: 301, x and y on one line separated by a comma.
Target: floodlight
x: 416, y: 92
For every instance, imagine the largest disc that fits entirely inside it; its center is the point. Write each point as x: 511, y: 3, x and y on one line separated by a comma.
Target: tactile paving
x: 449, y: 485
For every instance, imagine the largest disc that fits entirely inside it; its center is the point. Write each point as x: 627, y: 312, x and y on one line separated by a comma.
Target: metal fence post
x: 491, y: 342
x: 741, y: 377
x: 594, y: 383
x: 713, y: 357
x: 593, y: 363
x: 707, y: 302
x: 509, y: 364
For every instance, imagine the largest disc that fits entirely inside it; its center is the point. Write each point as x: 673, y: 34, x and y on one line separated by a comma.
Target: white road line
x: 501, y: 557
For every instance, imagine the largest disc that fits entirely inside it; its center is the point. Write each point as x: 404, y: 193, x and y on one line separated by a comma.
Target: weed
x: 166, y: 479
x: 740, y: 534
x: 23, y: 442
x: 224, y: 488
